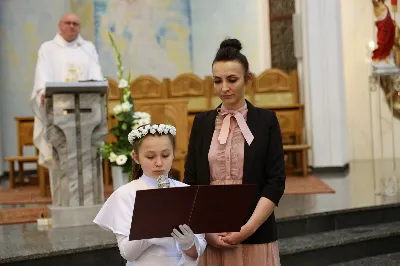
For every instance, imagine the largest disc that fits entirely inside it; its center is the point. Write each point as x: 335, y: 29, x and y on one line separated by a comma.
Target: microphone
x: 80, y: 45
x: 97, y: 62
x: 163, y: 181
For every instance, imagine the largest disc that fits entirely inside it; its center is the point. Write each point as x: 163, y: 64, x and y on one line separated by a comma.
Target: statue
x: 386, y: 57
x: 383, y: 57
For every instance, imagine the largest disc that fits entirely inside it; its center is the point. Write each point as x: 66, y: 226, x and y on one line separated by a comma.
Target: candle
x: 394, y: 5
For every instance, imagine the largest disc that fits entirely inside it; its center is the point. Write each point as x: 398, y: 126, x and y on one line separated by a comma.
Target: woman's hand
x: 263, y: 210
x: 235, y: 238
x: 215, y: 240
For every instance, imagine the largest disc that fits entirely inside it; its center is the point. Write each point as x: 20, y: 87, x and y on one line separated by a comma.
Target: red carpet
x: 306, y: 185
x: 30, y: 195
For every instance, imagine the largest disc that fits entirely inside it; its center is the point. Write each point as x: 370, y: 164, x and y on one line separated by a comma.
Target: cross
x: 72, y: 111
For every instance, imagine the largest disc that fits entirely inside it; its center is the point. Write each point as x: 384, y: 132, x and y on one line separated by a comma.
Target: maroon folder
x: 206, y: 209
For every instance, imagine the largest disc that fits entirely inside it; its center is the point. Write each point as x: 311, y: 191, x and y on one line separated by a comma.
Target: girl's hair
x: 137, y: 171
x: 229, y: 50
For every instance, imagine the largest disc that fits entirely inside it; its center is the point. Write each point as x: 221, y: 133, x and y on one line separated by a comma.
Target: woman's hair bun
x: 234, y: 43
x: 229, y: 50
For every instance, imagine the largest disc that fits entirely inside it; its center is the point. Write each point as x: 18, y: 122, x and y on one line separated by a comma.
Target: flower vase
x: 119, y: 178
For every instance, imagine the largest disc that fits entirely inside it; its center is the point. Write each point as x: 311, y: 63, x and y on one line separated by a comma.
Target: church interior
x: 313, y: 64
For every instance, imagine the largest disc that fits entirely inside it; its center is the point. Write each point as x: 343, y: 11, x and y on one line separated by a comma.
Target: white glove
x: 184, y: 239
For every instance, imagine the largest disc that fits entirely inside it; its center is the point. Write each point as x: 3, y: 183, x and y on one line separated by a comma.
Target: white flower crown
x: 152, y: 129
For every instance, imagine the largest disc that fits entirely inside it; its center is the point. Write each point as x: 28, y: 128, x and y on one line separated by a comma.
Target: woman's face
x: 230, y: 83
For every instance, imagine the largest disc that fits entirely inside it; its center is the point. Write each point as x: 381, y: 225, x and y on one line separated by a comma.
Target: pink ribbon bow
x: 239, y: 115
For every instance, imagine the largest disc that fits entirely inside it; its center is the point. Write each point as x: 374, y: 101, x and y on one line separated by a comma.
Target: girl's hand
x: 185, y: 238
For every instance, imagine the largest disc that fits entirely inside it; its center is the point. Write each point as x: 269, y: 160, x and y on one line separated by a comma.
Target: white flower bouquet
x: 118, y: 152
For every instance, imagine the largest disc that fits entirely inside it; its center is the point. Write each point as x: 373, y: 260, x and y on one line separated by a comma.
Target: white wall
x: 367, y: 122
x: 323, y: 81
x: 24, y: 24
x: 213, y: 21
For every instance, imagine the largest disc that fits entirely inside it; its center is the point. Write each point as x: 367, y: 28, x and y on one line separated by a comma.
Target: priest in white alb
x: 68, y: 57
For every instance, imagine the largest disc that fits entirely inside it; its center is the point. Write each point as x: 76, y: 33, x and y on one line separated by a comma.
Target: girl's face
x: 230, y: 83
x: 155, y: 155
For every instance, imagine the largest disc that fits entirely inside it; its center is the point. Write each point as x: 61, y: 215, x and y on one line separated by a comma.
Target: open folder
x: 206, y: 209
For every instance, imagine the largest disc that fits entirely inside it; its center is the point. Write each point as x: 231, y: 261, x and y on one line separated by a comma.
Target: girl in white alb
x: 153, y: 149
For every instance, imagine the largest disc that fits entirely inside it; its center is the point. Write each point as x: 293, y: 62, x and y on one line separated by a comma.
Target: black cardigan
x: 263, y: 161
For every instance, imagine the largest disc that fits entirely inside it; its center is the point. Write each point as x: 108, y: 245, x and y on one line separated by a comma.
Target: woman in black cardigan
x: 239, y: 143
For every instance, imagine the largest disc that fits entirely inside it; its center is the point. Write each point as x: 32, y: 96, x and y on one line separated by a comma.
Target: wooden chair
x: 195, y: 90
x: 24, y: 138
x: 143, y: 87
x: 277, y: 90
x: 174, y: 111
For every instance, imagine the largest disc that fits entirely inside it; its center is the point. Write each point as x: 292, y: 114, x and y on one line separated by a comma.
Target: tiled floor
x: 361, y: 186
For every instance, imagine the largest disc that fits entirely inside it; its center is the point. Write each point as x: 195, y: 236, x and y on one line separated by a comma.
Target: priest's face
x: 69, y: 27
x: 230, y: 83
x: 155, y: 155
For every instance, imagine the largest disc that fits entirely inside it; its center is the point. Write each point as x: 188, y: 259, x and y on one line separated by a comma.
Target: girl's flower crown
x: 142, y: 131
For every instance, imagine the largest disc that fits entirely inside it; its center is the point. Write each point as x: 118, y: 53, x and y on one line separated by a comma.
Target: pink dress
x: 226, y: 167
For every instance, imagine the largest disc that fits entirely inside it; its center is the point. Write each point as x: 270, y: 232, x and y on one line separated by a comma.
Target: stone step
x: 317, y: 239
x: 336, y: 220
x: 340, y: 245
x: 391, y: 259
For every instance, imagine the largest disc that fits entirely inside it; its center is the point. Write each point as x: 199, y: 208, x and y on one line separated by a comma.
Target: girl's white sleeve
x: 116, y: 216
x: 131, y: 250
x: 200, y: 244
